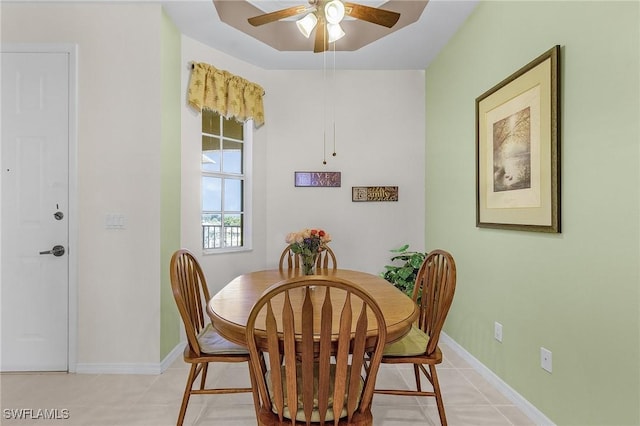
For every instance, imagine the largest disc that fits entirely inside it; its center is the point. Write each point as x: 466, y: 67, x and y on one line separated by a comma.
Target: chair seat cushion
x: 315, y: 415
x: 412, y: 344
x: 213, y: 343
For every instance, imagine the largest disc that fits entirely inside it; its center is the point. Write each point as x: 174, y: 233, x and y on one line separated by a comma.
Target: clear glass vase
x: 309, y: 264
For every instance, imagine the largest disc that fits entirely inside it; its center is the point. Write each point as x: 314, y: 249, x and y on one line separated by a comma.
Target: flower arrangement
x: 308, y: 243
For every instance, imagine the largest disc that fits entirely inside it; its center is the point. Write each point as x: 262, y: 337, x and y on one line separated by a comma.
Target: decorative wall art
x: 374, y: 193
x: 317, y: 179
x: 517, y: 149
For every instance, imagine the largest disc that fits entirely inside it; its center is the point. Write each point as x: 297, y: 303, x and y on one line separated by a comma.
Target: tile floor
x: 149, y: 400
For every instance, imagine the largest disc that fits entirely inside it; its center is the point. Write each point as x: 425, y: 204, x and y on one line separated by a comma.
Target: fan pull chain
x: 324, y: 148
x: 324, y: 104
x: 334, y: 98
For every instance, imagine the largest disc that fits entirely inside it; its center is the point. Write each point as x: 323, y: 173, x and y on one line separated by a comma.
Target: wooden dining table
x: 229, y: 309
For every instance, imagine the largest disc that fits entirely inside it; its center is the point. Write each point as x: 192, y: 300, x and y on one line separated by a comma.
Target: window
x: 224, y: 186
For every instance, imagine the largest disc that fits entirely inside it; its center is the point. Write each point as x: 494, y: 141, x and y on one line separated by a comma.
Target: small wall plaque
x: 374, y: 193
x: 317, y: 179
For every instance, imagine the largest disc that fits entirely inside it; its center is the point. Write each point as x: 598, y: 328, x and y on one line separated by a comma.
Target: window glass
x: 233, y: 230
x: 210, y: 122
x: 211, y: 154
x: 211, y: 231
x: 211, y: 194
x: 233, y: 195
x: 232, y: 157
x: 223, y: 183
x: 233, y: 129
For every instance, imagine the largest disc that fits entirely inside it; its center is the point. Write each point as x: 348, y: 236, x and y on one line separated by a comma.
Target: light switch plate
x: 497, y: 331
x: 545, y: 359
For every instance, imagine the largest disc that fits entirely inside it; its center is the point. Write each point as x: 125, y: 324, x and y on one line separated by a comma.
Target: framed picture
x: 517, y: 149
x: 374, y: 193
x: 317, y: 179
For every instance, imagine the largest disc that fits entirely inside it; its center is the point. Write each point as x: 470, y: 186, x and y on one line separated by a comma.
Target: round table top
x: 229, y: 309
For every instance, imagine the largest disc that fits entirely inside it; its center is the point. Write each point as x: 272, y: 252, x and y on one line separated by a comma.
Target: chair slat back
x: 191, y: 294
x: 290, y: 260
x: 306, y: 339
x: 433, y: 291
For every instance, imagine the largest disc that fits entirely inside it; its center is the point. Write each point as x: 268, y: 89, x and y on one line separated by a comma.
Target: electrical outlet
x: 497, y: 331
x: 545, y: 359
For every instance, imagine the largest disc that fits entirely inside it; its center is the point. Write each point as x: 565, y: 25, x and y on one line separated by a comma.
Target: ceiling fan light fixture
x: 307, y: 24
x: 334, y: 11
x: 335, y: 32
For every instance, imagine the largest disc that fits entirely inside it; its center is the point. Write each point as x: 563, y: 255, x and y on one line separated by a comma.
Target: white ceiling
x: 410, y: 48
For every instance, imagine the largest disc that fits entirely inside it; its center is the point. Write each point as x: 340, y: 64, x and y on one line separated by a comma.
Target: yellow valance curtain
x: 227, y: 94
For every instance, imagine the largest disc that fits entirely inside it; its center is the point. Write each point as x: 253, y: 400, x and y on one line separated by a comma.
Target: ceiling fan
x: 325, y: 16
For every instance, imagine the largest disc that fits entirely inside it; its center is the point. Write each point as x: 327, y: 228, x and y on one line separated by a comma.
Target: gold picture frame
x: 517, y: 149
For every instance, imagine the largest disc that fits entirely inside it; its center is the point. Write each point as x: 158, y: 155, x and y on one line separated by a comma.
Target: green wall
x: 170, y: 176
x: 575, y: 293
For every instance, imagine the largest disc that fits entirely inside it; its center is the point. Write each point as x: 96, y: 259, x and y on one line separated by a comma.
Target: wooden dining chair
x: 290, y: 260
x: 204, y: 344
x: 314, y: 329
x: 433, y: 292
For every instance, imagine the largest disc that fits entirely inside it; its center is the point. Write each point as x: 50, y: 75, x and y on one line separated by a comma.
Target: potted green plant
x: 403, y: 273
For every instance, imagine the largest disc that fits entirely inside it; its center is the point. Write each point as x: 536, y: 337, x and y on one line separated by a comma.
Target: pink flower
x: 290, y: 238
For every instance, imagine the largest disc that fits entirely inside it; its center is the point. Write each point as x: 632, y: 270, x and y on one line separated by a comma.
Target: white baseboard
x: 131, y: 368
x: 518, y: 400
x: 172, y: 356
x: 124, y: 368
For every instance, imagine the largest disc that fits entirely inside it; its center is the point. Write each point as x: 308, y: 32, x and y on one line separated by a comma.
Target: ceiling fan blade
x: 278, y: 14
x: 374, y: 15
x: 321, y: 44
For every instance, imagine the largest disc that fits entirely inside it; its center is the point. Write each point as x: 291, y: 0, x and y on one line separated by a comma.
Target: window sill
x: 207, y: 252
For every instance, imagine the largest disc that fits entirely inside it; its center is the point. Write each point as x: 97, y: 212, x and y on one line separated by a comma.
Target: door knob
x: 56, y: 251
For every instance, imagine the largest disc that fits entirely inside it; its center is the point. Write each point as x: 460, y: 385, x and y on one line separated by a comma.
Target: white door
x: 35, y: 205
